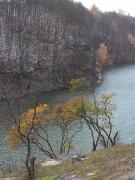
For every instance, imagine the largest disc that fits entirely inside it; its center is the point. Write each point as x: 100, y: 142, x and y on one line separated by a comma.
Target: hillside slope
x: 117, y: 163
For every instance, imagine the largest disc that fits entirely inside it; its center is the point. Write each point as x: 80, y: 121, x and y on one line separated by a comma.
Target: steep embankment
x: 44, y: 44
x: 117, y: 163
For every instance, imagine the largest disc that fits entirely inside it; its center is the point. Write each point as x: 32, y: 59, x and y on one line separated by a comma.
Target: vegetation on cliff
x: 47, y: 43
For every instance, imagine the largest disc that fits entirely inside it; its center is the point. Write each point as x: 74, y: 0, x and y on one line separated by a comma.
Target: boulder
x: 50, y: 162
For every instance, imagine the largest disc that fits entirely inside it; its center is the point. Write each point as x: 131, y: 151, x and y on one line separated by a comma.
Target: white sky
x: 110, y: 5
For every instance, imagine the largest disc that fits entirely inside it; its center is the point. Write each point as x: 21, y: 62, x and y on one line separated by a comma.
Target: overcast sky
x: 110, y: 5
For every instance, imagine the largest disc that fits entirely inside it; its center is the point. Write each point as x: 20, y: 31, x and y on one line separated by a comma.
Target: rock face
x: 44, y: 44
x: 39, y: 48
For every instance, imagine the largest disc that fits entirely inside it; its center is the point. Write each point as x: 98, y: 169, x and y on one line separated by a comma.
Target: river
x: 120, y: 80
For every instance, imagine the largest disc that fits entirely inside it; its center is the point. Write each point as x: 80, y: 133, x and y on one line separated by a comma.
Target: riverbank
x: 105, y: 164
x: 108, y: 164
x: 33, y: 88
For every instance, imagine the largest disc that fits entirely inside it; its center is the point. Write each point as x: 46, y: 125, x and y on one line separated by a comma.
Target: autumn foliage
x: 131, y: 39
x: 32, y: 118
x: 69, y: 110
x: 95, y: 113
x: 78, y: 83
x: 102, y: 54
x: 95, y: 11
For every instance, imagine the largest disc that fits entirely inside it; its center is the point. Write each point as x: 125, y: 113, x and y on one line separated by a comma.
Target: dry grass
x: 106, y: 164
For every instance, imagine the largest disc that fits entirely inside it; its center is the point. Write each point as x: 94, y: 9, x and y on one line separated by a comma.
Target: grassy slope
x: 105, y: 164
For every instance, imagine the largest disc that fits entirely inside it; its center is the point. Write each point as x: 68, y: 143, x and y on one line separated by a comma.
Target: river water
x: 120, y: 80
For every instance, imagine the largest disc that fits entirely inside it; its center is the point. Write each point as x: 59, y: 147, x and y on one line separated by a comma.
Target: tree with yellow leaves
x: 78, y: 83
x: 95, y: 11
x: 24, y: 132
x: 102, y: 54
x: 32, y: 131
x: 66, y: 123
x: 31, y: 119
x: 131, y: 39
x: 96, y: 114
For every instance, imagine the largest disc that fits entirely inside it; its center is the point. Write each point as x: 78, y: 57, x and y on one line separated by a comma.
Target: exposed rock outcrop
x: 44, y: 44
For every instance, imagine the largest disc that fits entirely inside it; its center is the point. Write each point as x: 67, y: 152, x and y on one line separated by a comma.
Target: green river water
x: 120, y: 80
